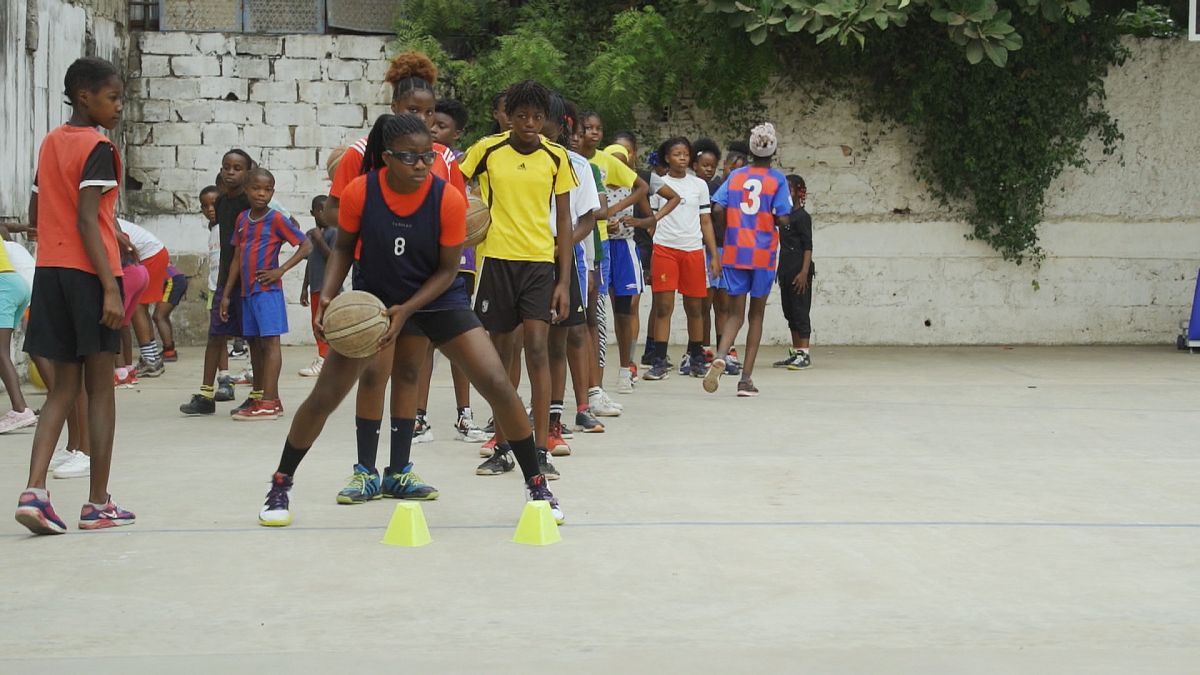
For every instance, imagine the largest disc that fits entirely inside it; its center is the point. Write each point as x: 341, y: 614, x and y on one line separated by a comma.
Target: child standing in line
x: 321, y: 238
x: 449, y: 124
x: 706, y: 156
x: 756, y: 203
x: 174, y: 291
x: 796, y: 272
x: 681, y: 238
x: 76, y: 304
x: 208, y: 207
x: 152, y: 255
x: 260, y: 234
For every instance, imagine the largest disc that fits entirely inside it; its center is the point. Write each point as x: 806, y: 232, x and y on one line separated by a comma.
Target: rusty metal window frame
x: 241, y: 20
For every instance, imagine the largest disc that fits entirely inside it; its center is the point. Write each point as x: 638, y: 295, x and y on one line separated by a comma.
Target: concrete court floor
x: 948, y: 510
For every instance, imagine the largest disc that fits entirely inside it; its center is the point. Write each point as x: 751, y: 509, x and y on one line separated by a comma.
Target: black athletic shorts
x: 441, y: 325
x: 512, y: 291
x: 64, y: 316
x: 577, y: 311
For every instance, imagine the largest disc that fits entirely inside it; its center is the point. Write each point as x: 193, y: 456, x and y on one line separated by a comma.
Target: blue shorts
x: 230, y: 328
x: 581, y: 270
x: 719, y: 282
x: 740, y: 282
x: 625, y: 275
x: 264, y: 314
x: 14, y: 298
x: 605, y: 275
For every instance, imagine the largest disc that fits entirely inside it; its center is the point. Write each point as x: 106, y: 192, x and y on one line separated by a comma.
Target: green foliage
x: 1148, y: 21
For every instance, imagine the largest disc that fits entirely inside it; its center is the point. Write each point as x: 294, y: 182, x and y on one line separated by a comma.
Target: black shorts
x: 468, y: 279
x: 441, y: 325
x: 512, y: 291
x: 64, y: 316
x: 174, y: 290
x: 232, y: 327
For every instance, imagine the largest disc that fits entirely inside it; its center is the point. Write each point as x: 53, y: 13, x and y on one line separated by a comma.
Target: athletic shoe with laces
x: 712, y: 379
x: 624, y: 382
x: 699, y: 368
x: 647, y: 358
x: 545, y: 466
x: 238, y: 351
x: 633, y: 373
x: 13, y: 420
x: 36, y: 513
x: 406, y: 484
x: 602, y: 406
x: 276, y: 511
x: 586, y: 422
x: 422, y: 432
x: 261, y: 410
x: 746, y: 389
x: 199, y: 405
x: 732, y: 365
x: 557, y: 444
x: 246, y: 377
x: 224, y: 392
x: 709, y: 355
x: 126, y: 382
x: 151, y: 368
x: 313, y: 369
x: 500, y: 462
x: 246, y: 405
x: 78, y: 466
x: 540, y: 492
x: 661, y: 370
x: 170, y: 355
x: 784, y: 363
x: 803, y: 360
x: 466, y: 431
x: 685, y: 364
x: 490, y: 427
x: 60, y: 457
x: 488, y: 447
x: 363, y: 486
x: 101, y: 516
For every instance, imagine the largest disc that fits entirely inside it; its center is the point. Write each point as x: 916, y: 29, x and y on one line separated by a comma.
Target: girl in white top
x: 681, y: 236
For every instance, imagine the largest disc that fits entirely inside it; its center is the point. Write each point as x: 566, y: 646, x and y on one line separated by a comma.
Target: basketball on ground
x: 354, y: 322
x: 479, y: 219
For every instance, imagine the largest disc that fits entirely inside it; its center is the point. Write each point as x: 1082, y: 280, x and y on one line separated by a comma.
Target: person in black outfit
x: 796, y: 272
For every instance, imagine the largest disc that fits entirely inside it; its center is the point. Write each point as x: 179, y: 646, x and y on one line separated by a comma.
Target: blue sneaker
x: 732, y: 365
x: 363, y: 486
x: 661, y: 370
x: 101, y: 516
x: 35, y: 512
x: 406, y: 484
x: 685, y: 364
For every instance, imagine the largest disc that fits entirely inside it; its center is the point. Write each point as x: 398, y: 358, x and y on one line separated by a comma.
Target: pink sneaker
x: 35, y: 512
x: 98, y: 517
x: 13, y: 420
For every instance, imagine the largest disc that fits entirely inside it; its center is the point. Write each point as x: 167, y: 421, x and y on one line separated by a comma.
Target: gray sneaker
x: 784, y: 363
x: 801, y: 362
x: 152, y: 368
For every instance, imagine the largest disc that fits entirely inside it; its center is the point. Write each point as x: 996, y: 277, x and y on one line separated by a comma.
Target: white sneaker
x: 625, y: 382
x: 601, y: 407
x: 422, y: 432
x: 60, y: 457
x: 467, y: 432
x: 611, y: 402
x: 13, y: 420
x: 78, y: 466
x: 314, y: 369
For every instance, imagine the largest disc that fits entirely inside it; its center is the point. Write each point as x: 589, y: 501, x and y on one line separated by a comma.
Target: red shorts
x: 675, y: 270
x: 156, y: 266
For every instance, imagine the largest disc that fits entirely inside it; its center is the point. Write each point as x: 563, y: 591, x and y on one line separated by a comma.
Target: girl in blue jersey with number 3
x: 412, y: 225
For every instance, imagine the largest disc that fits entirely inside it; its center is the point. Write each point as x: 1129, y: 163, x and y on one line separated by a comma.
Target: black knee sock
x: 526, y: 456
x: 660, y: 350
x: 649, y: 346
x: 290, y: 460
x: 367, y: 432
x: 695, y: 350
x: 402, y: 432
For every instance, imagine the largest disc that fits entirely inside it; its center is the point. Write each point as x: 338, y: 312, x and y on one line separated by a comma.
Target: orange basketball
x: 479, y: 219
x: 354, y: 322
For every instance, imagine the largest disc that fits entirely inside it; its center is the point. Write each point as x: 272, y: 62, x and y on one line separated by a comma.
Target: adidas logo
x: 521, y: 166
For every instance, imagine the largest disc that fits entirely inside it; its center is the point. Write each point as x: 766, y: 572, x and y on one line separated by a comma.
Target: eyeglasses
x: 411, y: 158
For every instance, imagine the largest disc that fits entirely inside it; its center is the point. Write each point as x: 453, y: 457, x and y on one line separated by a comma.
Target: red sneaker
x: 170, y: 355
x: 488, y: 448
x: 557, y: 444
x: 260, y: 410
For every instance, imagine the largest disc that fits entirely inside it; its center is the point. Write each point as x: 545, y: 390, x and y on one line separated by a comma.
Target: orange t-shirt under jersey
x: 73, y: 158
x: 452, y: 230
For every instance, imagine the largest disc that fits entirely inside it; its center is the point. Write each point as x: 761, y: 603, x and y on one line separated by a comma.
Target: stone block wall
x: 1122, y: 238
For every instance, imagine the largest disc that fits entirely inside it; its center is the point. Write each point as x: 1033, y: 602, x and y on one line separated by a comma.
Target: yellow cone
x: 407, y: 527
x: 537, y: 526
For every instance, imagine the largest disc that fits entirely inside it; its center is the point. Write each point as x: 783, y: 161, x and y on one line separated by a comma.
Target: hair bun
x: 411, y: 64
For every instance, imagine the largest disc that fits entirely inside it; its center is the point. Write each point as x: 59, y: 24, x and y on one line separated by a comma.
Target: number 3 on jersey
x: 753, y: 199
x: 399, y: 246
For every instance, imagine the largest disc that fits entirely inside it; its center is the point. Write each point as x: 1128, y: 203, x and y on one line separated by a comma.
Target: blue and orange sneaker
x: 363, y: 486
x: 406, y: 484
x: 101, y: 516
x: 35, y: 512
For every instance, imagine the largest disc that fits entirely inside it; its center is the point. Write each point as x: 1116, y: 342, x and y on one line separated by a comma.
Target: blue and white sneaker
x: 363, y: 486
x: 685, y: 364
x: 661, y: 370
x: 36, y: 513
x: 732, y: 365
x: 406, y: 484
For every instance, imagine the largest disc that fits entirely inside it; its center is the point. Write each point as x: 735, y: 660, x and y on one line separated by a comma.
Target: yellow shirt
x: 518, y: 188
x: 5, y: 263
x: 613, y: 172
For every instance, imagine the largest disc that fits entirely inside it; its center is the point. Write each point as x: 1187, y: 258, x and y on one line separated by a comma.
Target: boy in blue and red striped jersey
x: 260, y: 234
x: 756, y: 202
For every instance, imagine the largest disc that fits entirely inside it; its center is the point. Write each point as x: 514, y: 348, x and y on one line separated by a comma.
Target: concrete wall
x: 1122, y: 239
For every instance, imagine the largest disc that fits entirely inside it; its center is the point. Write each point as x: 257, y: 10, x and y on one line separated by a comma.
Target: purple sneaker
x: 35, y: 512
x: 93, y: 517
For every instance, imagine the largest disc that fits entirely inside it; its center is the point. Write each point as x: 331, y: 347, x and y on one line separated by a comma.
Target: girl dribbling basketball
x: 412, y: 226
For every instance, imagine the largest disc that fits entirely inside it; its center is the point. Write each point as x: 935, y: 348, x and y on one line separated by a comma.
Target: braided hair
x: 527, y: 93
x: 411, y: 71
x: 557, y: 112
x: 387, y: 129
x: 88, y: 73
